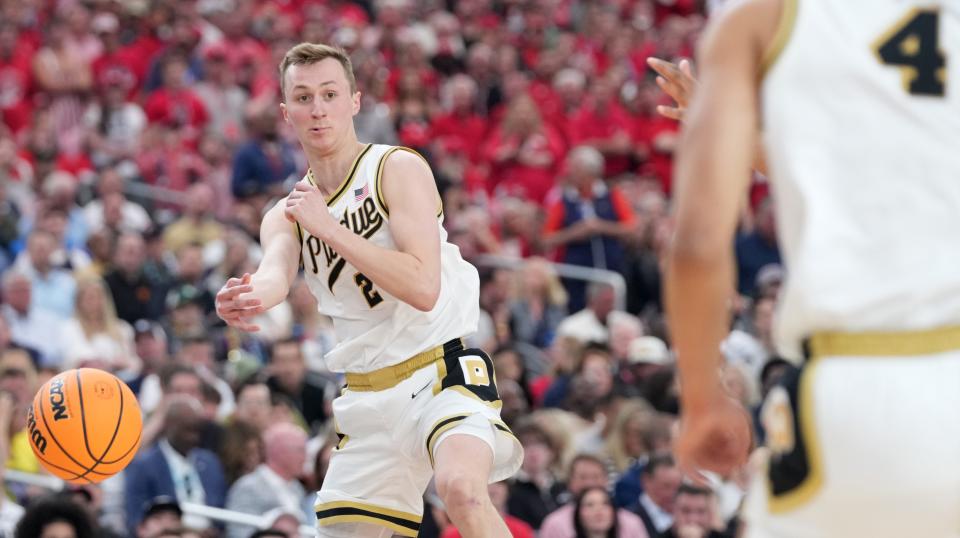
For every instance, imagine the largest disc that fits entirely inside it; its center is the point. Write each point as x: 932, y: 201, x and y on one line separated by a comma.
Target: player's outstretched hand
x: 718, y: 438
x: 677, y: 81
x: 236, y: 310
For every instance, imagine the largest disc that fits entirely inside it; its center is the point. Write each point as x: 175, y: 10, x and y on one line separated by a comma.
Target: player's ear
x: 283, y: 111
x: 356, y: 102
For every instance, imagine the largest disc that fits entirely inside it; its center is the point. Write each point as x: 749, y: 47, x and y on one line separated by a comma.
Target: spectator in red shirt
x: 16, y: 78
x: 175, y: 104
x: 524, y: 152
x: 654, y: 136
x: 459, y: 130
x: 116, y: 63
x: 604, y: 124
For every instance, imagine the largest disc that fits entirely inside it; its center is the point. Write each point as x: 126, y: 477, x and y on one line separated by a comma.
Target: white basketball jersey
x: 375, y: 329
x: 861, y: 123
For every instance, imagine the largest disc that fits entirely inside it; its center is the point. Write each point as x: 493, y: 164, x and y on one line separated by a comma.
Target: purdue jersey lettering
x: 375, y: 329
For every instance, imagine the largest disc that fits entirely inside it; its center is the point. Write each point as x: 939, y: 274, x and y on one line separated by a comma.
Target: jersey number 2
x: 372, y: 296
x: 913, y: 45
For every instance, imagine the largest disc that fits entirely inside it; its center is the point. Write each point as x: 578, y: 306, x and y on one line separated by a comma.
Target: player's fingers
x: 674, y: 90
x: 687, y: 68
x: 673, y: 113
x: 226, y: 294
x: 663, y: 67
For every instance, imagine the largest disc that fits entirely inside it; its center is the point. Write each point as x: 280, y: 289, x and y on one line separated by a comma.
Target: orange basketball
x: 84, y: 425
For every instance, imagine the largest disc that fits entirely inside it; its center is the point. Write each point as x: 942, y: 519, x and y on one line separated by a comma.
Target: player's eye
x: 303, y: 98
x: 330, y: 95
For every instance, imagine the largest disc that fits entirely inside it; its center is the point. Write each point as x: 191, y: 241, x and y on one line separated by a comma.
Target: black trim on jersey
x: 353, y: 511
x: 455, y: 375
x: 441, y: 424
x: 300, y: 237
x: 349, y: 179
x: 789, y: 471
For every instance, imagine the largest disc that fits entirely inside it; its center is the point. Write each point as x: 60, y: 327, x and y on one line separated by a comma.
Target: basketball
x: 84, y: 425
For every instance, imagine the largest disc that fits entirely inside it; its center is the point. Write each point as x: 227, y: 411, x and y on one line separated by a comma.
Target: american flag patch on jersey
x: 360, y: 194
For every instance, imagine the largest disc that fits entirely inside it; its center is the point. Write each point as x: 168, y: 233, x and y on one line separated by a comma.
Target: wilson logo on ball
x: 39, y: 442
x: 57, y: 400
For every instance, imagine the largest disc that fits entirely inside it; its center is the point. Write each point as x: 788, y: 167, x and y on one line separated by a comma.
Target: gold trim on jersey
x: 823, y: 346
x: 788, y: 19
x: 885, y: 344
x: 402, y: 523
x: 381, y: 200
x: 813, y: 483
x: 342, y: 188
x: 391, y: 376
x: 496, y: 404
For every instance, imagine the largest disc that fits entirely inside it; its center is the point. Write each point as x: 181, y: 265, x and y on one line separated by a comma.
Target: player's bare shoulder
x: 407, y: 178
x: 753, y: 23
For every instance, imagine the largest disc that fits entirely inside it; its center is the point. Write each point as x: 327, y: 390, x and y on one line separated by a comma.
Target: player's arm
x: 677, y: 81
x: 412, y: 272
x: 712, y: 173
x: 241, y: 299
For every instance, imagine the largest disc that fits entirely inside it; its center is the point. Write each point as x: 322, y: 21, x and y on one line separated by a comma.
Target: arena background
x: 141, y: 141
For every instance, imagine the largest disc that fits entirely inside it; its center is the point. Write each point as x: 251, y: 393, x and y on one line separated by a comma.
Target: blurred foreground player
x: 366, y: 226
x: 860, y: 107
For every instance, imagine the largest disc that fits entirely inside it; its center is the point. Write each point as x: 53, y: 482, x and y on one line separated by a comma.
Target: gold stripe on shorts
x: 402, y: 523
x: 884, y: 343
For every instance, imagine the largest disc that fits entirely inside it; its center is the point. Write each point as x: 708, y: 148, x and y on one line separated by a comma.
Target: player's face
x: 319, y: 104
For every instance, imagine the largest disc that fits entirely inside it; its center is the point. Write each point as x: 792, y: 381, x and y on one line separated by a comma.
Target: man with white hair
x: 588, y: 221
x: 29, y: 326
x: 273, y: 484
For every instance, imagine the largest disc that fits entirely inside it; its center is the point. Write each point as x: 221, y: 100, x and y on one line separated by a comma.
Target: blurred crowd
x: 141, y: 142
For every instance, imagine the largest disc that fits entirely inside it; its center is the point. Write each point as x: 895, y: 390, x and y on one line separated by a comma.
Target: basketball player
x: 366, y: 226
x: 860, y: 106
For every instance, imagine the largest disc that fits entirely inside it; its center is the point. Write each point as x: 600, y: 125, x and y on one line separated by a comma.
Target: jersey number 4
x: 913, y: 45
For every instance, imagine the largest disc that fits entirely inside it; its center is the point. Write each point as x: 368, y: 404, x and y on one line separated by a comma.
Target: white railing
x: 53, y: 483
x: 578, y: 272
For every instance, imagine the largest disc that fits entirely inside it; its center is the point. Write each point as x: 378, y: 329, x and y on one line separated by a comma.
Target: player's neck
x: 331, y: 167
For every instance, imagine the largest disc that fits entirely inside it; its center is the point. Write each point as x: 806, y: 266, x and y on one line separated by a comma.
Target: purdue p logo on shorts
x: 474, y: 371
x: 777, y: 419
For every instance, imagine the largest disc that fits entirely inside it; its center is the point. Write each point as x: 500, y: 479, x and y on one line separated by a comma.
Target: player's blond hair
x: 311, y: 53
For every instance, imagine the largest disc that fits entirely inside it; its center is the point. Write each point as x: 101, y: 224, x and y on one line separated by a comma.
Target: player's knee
x: 461, y: 491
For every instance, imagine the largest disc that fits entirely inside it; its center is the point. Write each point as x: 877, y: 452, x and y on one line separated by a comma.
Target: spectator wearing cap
x: 134, y: 293
x: 274, y: 483
x: 589, y: 222
x: 646, y: 355
x: 118, y: 64
x: 264, y: 161
x: 222, y: 97
x: 29, y: 325
x: 756, y: 248
x: 175, y: 467
x: 160, y: 514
